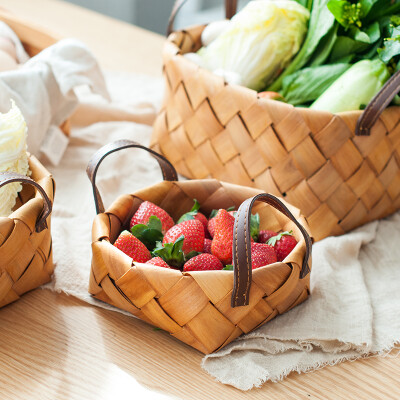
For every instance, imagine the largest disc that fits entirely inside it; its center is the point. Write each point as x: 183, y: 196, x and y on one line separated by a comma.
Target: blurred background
x: 153, y: 14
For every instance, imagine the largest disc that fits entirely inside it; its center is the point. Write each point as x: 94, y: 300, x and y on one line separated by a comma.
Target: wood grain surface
x: 55, y: 347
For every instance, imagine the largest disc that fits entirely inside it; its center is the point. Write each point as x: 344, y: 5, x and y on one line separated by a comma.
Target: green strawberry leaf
x: 191, y: 214
x: 155, y: 223
x: 171, y: 253
x: 272, y: 241
x: 228, y: 267
x: 149, y: 234
x: 254, y: 226
x: 214, y: 212
x: 191, y: 254
x: 186, y: 217
x: 196, y: 206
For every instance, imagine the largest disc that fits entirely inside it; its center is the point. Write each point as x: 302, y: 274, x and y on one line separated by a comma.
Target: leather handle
x: 377, y: 105
x: 11, y: 177
x: 242, y: 247
x: 167, y: 169
x: 230, y: 11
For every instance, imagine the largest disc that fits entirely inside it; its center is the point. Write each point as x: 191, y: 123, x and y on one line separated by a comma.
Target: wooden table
x: 56, y: 347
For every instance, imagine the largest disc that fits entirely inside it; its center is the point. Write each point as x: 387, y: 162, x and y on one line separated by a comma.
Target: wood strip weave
x: 313, y: 159
x: 194, y: 307
x: 26, y: 260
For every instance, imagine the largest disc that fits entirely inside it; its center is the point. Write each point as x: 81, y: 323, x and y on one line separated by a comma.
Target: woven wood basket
x: 34, y: 39
x: 316, y: 160
x: 206, y: 309
x: 25, y: 239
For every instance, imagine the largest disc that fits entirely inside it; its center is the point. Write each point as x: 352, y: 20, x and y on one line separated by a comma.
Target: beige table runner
x: 355, y: 302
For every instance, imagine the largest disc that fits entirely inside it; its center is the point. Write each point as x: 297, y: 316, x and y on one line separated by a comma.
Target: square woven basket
x: 204, y: 309
x: 26, y: 260
x: 342, y: 170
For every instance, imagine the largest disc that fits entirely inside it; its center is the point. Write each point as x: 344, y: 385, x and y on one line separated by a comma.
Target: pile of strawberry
x: 196, y: 243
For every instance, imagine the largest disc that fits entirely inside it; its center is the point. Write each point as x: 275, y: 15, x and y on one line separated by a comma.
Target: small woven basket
x: 315, y: 159
x: 204, y: 309
x: 25, y: 239
x: 34, y: 39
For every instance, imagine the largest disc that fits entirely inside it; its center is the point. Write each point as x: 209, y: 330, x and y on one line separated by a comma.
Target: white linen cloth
x: 355, y: 301
x: 43, y: 89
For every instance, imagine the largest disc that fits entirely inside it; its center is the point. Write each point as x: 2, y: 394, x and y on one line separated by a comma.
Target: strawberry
x: 203, y: 262
x: 262, y: 254
x: 146, y: 210
x: 193, y: 232
x: 195, y: 214
x: 211, y: 226
x: 283, y: 244
x: 211, y: 220
x: 159, y: 262
x: 221, y: 245
x: 132, y: 247
x: 207, y: 246
x: 264, y: 236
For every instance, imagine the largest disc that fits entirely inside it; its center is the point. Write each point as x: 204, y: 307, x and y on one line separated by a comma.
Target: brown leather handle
x: 377, y: 105
x: 11, y: 177
x: 242, y: 247
x: 230, y: 11
x: 167, y: 169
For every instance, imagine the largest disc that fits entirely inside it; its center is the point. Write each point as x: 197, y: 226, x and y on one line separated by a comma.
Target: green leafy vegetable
x: 308, y: 84
x: 321, y: 23
x: 357, y: 86
x: 391, y: 47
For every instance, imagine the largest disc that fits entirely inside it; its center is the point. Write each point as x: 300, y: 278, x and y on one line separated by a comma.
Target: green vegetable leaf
x: 321, y: 23
x: 149, y: 234
x: 346, y: 13
x: 171, y: 253
x: 391, y: 47
x: 308, y: 84
x: 344, y: 47
x: 324, y: 48
x: 228, y: 267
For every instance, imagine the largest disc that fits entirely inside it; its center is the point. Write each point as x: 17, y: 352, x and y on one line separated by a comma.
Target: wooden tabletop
x: 56, y: 347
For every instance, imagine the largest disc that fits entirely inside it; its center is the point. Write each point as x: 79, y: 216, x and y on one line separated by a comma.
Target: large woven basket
x: 314, y: 159
x: 206, y: 309
x: 25, y: 239
x: 34, y: 39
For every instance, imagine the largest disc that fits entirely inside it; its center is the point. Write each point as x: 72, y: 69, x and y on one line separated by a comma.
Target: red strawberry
x: 203, y: 262
x: 283, y: 244
x: 211, y: 226
x: 146, y: 210
x: 132, y: 247
x: 158, y: 261
x: 207, y: 246
x: 193, y: 232
x: 262, y: 254
x: 195, y: 214
x: 221, y: 245
x: 264, y: 236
